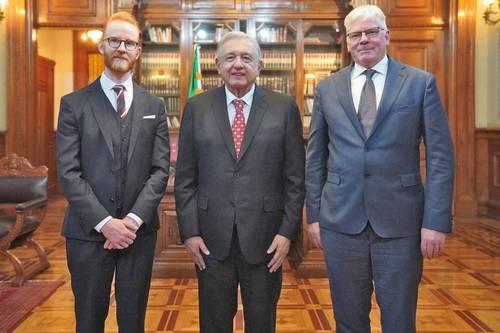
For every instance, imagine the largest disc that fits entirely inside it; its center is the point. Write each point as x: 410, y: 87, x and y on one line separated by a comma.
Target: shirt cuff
x: 136, y: 218
x: 101, y: 224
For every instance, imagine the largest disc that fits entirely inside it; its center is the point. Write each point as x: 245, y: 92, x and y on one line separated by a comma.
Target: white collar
x: 247, y: 98
x: 380, y: 67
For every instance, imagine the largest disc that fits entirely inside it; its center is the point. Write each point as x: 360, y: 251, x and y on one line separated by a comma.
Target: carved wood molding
x: 14, y: 165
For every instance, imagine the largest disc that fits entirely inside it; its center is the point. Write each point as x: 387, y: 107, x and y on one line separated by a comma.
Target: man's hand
x: 280, y: 247
x: 195, y: 245
x: 118, y: 235
x: 432, y: 243
x: 314, y: 236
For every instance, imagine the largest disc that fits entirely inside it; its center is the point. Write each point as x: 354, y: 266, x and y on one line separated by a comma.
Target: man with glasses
x: 366, y: 204
x: 239, y: 189
x: 113, y: 160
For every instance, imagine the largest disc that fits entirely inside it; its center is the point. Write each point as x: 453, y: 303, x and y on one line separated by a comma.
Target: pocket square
x: 152, y: 116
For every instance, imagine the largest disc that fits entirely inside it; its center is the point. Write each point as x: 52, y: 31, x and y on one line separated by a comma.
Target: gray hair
x: 365, y: 12
x: 238, y: 35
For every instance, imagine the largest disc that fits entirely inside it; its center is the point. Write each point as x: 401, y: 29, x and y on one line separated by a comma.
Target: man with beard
x: 113, y: 160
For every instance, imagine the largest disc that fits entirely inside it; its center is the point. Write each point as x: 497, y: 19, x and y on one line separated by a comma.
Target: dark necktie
x: 120, y: 100
x: 238, y: 127
x: 367, y: 109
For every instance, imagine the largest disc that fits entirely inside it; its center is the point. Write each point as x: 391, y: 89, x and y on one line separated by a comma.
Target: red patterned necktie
x: 238, y: 127
x: 120, y: 100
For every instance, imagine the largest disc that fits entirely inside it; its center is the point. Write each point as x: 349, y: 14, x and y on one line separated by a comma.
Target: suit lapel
x: 257, y: 112
x: 345, y: 98
x: 103, y: 118
x: 396, y: 76
x: 219, y: 109
x: 138, y: 107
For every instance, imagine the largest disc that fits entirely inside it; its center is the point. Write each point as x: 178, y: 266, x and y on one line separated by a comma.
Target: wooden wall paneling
x: 72, y: 13
x: 493, y: 203
x: 270, y: 4
x: 21, y: 96
x: 422, y: 13
x: 2, y: 143
x: 44, y: 120
x: 461, y: 77
x: 158, y: 6
x: 422, y: 48
x: 482, y: 171
x: 212, y: 4
x: 81, y: 51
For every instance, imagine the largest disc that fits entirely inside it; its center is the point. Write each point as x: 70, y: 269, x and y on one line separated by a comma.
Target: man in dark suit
x: 113, y: 160
x: 239, y: 189
x: 366, y: 203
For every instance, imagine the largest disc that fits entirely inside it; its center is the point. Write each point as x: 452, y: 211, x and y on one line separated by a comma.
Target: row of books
x: 173, y: 122
x: 278, y: 59
x: 273, y: 35
x: 207, y: 59
x: 212, y: 81
x: 322, y: 60
x: 311, y: 80
x: 171, y: 104
x: 280, y: 84
x: 154, y: 60
x: 160, y: 34
x: 161, y: 84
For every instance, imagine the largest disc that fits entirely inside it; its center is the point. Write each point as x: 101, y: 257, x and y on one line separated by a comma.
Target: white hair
x: 365, y: 12
x: 238, y: 35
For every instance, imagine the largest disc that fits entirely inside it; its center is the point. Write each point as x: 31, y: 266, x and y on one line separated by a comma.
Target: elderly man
x: 239, y: 189
x: 366, y: 203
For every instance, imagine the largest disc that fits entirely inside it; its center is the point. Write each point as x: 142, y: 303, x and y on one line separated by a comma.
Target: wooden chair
x: 23, y: 200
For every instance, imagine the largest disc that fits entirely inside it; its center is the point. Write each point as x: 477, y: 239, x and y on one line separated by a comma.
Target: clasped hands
x: 280, y: 246
x: 119, y: 233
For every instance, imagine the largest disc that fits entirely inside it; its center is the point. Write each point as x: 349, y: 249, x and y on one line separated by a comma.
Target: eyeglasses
x: 244, y: 58
x: 370, y: 33
x: 115, y: 43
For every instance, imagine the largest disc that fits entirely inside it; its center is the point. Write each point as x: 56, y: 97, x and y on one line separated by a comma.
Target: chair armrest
x: 35, y: 203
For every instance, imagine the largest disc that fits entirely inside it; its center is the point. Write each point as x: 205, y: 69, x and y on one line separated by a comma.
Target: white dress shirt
x: 358, y: 80
x: 247, y: 98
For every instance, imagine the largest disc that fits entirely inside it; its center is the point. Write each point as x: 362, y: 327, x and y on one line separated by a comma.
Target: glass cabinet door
x: 278, y: 42
x: 160, y: 67
x: 207, y: 34
x: 323, y: 42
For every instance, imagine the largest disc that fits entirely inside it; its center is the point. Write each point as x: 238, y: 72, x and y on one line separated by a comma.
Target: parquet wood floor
x: 460, y: 291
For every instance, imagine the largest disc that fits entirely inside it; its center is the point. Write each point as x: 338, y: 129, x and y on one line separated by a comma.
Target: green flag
x: 195, y: 79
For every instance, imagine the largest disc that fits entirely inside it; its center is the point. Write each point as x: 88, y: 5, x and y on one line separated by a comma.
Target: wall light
x: 3, y: 5
x: 490, y: 13
x: 94, y: 35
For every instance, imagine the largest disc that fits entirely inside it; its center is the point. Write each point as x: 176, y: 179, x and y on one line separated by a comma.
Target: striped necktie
x: 120, y: 100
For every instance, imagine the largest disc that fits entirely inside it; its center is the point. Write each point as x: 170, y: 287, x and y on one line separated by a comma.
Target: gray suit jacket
x: 262, y: 191
x: 85, y: 159
x: 352, y: 179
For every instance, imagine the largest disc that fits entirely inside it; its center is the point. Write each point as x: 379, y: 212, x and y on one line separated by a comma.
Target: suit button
x: 367, y: 174
x: 236, y: 174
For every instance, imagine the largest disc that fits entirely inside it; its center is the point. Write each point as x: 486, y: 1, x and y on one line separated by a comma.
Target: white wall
x: 487, y: 68
x: 57, y: 45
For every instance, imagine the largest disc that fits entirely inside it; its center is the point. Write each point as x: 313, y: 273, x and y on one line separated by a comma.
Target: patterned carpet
x: 17, y: 303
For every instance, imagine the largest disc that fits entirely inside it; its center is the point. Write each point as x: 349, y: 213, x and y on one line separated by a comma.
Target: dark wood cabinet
x: 72, y: 13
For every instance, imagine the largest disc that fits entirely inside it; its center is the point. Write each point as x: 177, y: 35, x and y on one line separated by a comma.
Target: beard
x: 120, y: 63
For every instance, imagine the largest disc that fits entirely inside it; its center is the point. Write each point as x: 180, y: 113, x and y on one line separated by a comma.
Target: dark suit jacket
x: 262, y: 191
x: 352, y: 179
x: 85, y: 159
